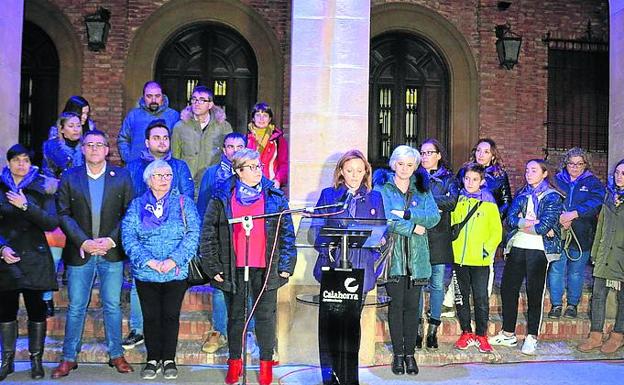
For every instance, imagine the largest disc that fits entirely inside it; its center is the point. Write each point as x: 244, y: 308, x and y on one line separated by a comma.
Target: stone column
x: 328, y: 116
x: 11, y: 21
x: 616, y: 86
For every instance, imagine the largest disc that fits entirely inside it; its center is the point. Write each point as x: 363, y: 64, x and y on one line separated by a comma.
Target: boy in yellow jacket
x: 474, y: 250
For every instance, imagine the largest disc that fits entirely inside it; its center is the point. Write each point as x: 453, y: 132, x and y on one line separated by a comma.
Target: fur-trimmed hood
x: 419, y: 178
x: 217, y: 113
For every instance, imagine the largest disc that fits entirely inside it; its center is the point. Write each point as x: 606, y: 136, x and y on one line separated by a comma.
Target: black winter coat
x: 445, y: 190
x: 23, y: 231
x: 216, y: 242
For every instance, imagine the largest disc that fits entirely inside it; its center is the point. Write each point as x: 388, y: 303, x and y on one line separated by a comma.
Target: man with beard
x: 152, y: 105
x: 157, y: 146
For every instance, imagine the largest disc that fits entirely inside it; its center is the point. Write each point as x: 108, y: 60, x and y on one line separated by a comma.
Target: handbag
x: 196, y: 275
x: 457, y: 227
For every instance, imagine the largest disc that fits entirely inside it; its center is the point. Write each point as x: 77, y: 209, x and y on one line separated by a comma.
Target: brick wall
x: 512, y: 103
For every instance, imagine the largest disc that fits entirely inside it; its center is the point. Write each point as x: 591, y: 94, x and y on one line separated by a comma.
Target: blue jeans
x: 574, y: 276
x: 57, y: 252
x: 136, y: 315
x: 79, y: 286
x: 220, y: 314
x: 436, y: 292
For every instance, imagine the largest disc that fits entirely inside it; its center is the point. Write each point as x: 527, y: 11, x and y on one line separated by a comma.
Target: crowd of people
x: 146, y: 214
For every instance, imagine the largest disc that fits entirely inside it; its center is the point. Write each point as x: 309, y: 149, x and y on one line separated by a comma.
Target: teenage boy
x: 474, y: 251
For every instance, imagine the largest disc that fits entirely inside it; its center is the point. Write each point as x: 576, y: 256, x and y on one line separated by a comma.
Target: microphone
x: 347, y: 200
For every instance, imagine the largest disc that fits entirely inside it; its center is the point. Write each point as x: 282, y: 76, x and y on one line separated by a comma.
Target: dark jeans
x: 533, y: 265
x: 473, y: 279
x: 161, y: 303
x: 9, y: 304
x: 598, y: 303
x: 403, y: 315
x: 264, y: 315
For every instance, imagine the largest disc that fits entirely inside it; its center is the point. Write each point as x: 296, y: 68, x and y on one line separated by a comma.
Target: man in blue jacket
x: 157, y: 146
x: 152, y: 105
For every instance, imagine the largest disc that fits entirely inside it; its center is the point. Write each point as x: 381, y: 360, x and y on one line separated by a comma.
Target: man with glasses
x: 157, y: 146
x: 152, y: 105
x: 92, y: 199
x: 198, y: 140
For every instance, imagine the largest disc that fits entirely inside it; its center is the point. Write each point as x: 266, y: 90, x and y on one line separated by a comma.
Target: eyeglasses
x: 162, y: 176
x: 579, y: 164
x: 200, y: 100
x: 428, y: 153
x: 94, y: 145
x: 253, y: 167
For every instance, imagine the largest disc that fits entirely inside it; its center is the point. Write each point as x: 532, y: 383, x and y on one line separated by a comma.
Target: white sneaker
x: 501, y: 339
x: 530, y: 345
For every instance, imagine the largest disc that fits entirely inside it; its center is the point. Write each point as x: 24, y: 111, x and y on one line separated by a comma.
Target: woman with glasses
x: 445, y: 192
x: 265, y: 137
x: 270, y: 257
x: 584, y: 194
x: 26, y: 211
x: 160, y: 234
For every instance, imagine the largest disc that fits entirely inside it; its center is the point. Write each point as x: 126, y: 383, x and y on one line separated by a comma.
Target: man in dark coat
x: 92, y: 201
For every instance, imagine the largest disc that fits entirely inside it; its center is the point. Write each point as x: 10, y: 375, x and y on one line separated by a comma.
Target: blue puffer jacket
x: 170, y: 240
x: 58, y: 157
x: 585, y: 195
x: 131, y: 139
x: 548, y: 211
x: 182, y: 179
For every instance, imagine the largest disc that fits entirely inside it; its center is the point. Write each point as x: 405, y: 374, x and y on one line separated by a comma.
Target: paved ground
x: 603, y: 372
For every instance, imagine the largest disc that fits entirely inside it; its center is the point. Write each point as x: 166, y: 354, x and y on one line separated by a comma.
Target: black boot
x: 36, y: 341
x: 432, y: 335
x: 419, y: 335
x: 8, y: 333
x: 410, y: 365
x: 398, y: 364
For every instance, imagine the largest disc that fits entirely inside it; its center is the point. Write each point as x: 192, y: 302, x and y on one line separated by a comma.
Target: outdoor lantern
x: 97, y: 28
x: 507, y: 46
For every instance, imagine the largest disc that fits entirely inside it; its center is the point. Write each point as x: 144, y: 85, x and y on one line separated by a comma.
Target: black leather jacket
x: 498, y: 184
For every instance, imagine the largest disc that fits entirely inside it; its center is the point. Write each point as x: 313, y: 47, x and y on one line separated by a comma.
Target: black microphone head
x: 347, y: 199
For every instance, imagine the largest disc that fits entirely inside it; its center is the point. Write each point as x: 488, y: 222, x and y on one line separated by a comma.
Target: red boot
x: 266, y: 372
x: 235, y: 367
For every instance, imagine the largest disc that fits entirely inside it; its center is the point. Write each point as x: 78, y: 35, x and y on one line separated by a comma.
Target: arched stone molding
x: 463, y: 75
x: 175, y: 15
x: 52, y: 20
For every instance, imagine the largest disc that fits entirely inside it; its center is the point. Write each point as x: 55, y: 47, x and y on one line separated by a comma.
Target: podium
x: 341, y: 297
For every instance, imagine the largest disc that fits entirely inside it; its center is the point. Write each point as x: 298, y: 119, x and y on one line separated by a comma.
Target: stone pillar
x: 616, y: 86
x: 11, y: 21
x: 328, y: 116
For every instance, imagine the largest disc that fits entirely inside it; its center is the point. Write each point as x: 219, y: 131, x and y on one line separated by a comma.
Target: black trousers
x: 9, y: 304
x: 403, y: 315
x: 264, y: 315
x: 473, y: 279
x: 521, y: 264
x: 160, y: 304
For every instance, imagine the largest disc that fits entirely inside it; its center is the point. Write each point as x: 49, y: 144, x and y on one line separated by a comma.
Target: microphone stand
x: 247, y: 222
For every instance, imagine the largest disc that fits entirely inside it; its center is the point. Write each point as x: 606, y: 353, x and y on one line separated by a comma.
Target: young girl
x: 533, y: 239
x: 608, y: 261
x: 474, y: 251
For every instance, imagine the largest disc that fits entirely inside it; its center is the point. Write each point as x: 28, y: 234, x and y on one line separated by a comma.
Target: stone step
x: 193, y: 325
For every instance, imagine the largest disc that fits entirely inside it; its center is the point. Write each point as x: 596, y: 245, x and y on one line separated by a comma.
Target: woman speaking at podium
x: 352, y: 185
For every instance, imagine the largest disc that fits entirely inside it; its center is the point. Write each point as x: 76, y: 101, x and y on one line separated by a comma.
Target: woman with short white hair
x: 160, y: 233
x: 411, y: 209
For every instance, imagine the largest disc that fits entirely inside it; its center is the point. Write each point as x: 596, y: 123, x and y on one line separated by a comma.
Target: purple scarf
x: 224, y: 171
x: 494, y: 170
x: 153, y: 211
x: 439, y: 173
x: 534, y: 192
x: 565, y: 176
x: 616, y: 192
x: 148, y: 156
x: 7, y: 178
x: 483, y: 195
x: 246, y: 195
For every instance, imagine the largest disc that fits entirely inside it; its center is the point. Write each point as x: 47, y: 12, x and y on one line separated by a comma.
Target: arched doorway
x: 39, y: 87
x: 408, y: 94
x: 217, y: 57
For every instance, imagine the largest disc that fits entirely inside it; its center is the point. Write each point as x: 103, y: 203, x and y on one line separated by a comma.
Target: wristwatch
x: 24, y: 207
